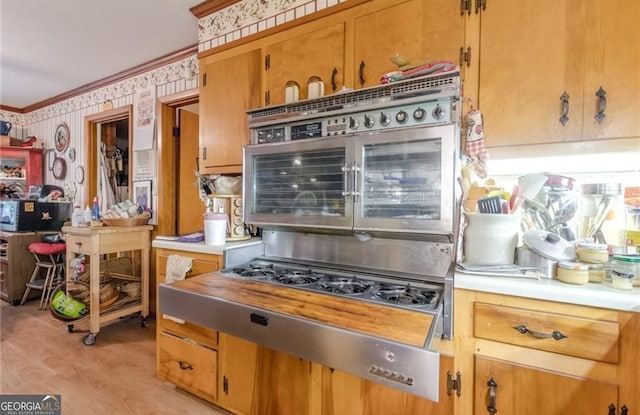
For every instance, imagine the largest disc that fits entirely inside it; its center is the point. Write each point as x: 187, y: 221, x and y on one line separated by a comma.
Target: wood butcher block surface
x: 405, y: 326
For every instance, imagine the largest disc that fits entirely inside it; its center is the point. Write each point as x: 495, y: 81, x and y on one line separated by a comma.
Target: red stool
x: 49, y: 256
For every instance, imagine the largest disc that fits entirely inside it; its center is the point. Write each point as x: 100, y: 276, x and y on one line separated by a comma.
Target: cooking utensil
x: 526, y: 258
x: 549, y: 245
x: 491, y: 204
x: 528, y: 188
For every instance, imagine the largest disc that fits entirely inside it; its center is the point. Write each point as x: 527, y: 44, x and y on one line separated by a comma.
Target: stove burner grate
x: 344, y: 285
x: 404, y: 295
x: 294, y: 277
x: 252, y: 271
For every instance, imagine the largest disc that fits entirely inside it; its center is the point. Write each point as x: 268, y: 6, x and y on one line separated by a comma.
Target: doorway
x: 109, y: 130
x: 180, y: 209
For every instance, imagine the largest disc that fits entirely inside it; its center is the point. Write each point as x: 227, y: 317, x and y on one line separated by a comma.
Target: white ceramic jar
x: 490, y: 239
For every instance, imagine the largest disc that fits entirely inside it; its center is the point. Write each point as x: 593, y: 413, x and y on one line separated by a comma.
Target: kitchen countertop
x: 591, y: 294
x: 201, y: 247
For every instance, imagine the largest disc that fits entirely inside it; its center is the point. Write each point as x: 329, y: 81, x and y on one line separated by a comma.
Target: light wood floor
x: 116, y: 375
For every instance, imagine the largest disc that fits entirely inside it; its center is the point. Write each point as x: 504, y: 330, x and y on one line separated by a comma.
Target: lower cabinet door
x: 188, y: 366
x: 343, y: 393
x: 507, y: 388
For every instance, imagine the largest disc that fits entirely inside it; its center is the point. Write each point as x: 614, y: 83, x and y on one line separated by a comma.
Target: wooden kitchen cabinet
x: 511, y: 388
x: 187, y: 354
x: 535, y: 54
x: 297, y: 59
x: 229, y: 87
x: 21, y: 167
x: 526, y: 356
x: 419, y: 30
x: 16, y: 264
x: 256, y: 380
x: 347, y: 394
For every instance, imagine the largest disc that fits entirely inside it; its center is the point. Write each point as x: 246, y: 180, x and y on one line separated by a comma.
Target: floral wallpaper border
x: 248, y: 17
x: 167, y: 73
x: 234, y: 22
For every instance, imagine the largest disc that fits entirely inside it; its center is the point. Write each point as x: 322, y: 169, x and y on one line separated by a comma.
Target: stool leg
x: 32, y: 279
x: 45, y: 287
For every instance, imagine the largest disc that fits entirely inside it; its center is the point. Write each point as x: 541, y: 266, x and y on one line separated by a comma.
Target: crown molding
x: 137, y: 70
x: 210, y: 6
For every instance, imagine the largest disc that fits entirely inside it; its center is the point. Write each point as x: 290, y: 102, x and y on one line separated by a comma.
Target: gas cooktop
x: 365, y: 287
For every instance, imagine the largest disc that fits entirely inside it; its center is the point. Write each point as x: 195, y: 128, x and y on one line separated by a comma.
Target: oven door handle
x: 356, y: 172
x: 345, y: 172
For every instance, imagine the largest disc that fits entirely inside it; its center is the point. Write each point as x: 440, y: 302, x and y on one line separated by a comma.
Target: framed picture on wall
x: 142, y: 196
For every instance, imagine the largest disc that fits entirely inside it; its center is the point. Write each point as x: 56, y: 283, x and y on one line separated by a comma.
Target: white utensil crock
x: 490, y: 239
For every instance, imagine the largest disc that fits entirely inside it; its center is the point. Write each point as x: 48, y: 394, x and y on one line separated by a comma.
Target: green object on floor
x: 68, y: 306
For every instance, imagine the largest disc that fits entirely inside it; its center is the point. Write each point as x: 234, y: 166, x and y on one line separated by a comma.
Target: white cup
x: 316, y: 89
x: 215, y: 228
x: 291, y: 92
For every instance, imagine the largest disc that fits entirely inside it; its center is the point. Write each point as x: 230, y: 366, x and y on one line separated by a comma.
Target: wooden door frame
x: 92, y: 138
x: 168, y: 146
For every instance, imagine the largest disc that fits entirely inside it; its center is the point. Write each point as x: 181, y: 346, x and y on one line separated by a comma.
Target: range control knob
x: 353, y: 123
x: 384, y: 119
x: 369, y: 121
x: 419, y: 114
x: 438, y: 112
x: 401, y: 117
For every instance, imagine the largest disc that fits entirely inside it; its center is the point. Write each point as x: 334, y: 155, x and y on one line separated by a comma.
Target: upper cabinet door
x: 612, y: 74
x: 527, y: 62
x: 319, y: 53
x: 228, y: 88
x: 554, y: 71
x: 419, y: 30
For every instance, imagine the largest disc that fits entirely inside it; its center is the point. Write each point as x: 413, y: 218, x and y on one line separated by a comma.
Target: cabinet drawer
x: 198, y: 265
x: 585, y: 337
x: 197, y: 333
x: 78, y: 244
x: 188, y: 366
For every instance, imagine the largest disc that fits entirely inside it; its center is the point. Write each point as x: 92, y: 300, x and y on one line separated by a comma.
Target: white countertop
x: 591, y: 294
x: 200, y: 247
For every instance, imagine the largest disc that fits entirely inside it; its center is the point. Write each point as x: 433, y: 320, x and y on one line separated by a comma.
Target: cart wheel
x: 70, y: 328
x: 89, y: 339
x: 143, y: 322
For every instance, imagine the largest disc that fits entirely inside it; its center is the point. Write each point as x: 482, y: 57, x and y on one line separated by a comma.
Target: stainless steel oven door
x: 405, y: 180
x: 301, y: 183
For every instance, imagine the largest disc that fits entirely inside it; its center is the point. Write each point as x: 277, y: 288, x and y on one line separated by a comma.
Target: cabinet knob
x: 185, y: 366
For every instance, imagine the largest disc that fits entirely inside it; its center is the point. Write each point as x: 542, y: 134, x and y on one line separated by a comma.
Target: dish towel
x: 177, y: 268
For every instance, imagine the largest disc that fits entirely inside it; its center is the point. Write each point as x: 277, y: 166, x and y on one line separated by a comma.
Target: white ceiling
x: 49, y: 47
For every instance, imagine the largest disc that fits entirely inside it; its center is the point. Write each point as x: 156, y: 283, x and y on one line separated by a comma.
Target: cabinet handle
x: 624, y: 410
x: 361, y: 73
x: 481, y: 4
x: 556, y: 334
x: 346, y: 192
x: 491, y: 408
x: 565, y: 108
x: 356, y: 172
x: 612, y: 410
x: 602, y: 105
x: 79, y: 245
x: 334, y: 86
x: 185, y: 366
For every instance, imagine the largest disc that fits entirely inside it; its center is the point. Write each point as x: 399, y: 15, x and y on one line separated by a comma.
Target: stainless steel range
x: 356, y: 195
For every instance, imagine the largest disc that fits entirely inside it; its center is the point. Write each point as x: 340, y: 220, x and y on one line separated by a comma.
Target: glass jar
x: 596, y: 273
x: 592, y: 253
x: 573, y: 272
x: 628, y: 266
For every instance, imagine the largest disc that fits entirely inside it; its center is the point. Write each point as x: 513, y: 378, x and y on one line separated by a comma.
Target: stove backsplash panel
x: 422, y: 260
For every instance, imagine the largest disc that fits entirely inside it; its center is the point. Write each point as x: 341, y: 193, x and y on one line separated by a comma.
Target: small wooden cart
x: 94, y: 242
